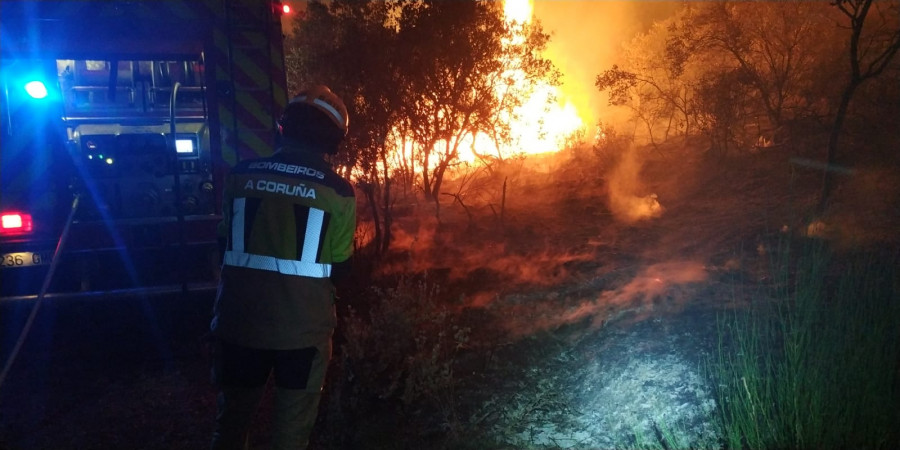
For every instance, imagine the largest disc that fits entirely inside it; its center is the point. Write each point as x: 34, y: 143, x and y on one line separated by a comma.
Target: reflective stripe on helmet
x: 336, y: 115
x: 323, y: 99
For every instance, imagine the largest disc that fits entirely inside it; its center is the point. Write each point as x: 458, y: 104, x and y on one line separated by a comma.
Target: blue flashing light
x: 36, y: 89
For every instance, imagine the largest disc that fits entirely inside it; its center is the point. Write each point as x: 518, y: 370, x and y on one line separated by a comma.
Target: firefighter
x: 288, y: 225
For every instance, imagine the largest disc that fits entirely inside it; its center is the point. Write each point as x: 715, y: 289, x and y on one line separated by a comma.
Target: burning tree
x: 471, y: 69
x: 421, y: 79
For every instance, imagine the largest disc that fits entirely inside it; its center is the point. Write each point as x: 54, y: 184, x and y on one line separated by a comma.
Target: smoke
x: 658, y: 289
x: 587, y: 38
x: 626, y: 200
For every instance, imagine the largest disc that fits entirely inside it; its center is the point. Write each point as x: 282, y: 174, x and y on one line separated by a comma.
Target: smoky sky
x: 586, y: 39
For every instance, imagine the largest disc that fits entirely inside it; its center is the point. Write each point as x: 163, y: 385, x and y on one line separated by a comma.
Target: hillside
x: 583, y: 302
x: 550, y: 319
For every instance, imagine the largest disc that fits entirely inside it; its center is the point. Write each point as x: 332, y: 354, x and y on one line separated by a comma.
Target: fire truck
x: 119, y: 121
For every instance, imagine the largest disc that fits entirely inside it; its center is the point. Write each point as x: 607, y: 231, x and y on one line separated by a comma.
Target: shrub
x: 397, y: 359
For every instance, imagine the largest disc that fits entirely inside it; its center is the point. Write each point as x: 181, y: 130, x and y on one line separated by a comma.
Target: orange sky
x: 586, y: 38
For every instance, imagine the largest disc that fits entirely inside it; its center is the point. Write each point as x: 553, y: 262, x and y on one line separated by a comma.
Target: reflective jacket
x: 287, y: 219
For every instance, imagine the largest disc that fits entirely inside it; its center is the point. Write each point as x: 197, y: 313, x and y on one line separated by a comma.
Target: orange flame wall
x: 587, y: 36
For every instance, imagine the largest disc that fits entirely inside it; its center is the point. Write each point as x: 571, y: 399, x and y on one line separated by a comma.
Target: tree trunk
x: 831, y: 158
x: 388, y: 214
x: 438, y: 178
x: 369, y: 191
x: 426, y: 176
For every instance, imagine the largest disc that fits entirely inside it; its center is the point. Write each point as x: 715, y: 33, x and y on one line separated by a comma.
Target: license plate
x: 24, y: 259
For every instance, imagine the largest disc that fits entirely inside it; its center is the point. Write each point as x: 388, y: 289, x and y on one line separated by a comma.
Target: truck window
x: 138, y: 88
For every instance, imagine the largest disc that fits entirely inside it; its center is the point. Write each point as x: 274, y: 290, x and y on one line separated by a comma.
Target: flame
x: 517, y: 10
x: 543, y: 123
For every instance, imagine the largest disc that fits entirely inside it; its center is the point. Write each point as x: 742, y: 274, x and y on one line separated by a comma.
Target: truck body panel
x: 145, y: 106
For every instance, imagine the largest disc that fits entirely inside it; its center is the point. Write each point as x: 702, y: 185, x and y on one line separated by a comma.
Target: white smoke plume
x: 627, y: 199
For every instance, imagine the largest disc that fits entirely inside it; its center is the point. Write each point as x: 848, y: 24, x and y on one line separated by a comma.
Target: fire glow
x: 542, y: 124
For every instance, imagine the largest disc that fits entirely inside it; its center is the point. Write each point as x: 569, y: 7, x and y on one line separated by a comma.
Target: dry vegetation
x: 519, y: 319
x: 559, y: 326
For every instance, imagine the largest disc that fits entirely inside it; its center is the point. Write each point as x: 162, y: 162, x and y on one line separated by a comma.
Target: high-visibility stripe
x: 306, y: 266
x: 237, y: 224
x: 313, y: 234
x: 272, y: 264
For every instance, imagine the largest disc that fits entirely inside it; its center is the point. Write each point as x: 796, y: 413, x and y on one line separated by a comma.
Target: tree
x: 719, y: 106
x: 874, y: 43
x: 653, y: 85
x: 780, y: 54
x: 352, y: 47
x: 420, y: 76
x: 469, y: 70
x: 732, y: 67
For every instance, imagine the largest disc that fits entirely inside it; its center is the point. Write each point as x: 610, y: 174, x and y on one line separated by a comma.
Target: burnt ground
x: 581, y: 331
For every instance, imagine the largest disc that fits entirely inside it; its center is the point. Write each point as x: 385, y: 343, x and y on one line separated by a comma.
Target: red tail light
x: 15, y: 223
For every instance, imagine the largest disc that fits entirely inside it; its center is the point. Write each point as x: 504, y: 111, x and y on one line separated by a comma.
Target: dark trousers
x: 241, y: 374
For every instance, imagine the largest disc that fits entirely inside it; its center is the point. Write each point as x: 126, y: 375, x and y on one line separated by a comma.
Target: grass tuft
x: 813, y: 362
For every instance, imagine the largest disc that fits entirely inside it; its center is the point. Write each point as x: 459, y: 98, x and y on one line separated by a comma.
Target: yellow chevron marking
x: 229, y: 151
x: 253, y: 141
x: 247, y: 64
x: 251, y: 103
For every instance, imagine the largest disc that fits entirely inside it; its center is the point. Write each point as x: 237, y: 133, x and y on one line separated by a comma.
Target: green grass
x: 813, y: 361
